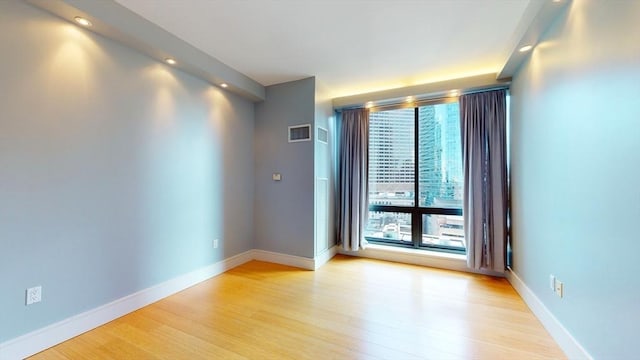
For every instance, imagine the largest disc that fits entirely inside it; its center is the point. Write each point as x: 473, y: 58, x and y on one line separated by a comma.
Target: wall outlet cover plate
x: 33, y: 295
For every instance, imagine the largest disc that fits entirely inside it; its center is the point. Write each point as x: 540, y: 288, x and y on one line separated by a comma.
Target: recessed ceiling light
x: 170, y: 61
x: 454, y: 93
x: 224, y: 85
x: 526, y: 48
x: 368, y: 104
x: 410, y: 99
x: 82, y: 21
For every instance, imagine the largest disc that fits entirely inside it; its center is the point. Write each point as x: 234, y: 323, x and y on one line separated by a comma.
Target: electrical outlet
x: 552, y: 282
x: 559, y: 288
x: 34, y: 295
x: 216, y: 243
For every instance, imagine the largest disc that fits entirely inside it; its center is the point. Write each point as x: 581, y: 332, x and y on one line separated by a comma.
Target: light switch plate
x: 559, y: 288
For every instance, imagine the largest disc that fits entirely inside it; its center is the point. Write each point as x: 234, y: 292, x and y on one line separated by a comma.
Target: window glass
x: 435, y: 179
x: 389, y: 226
x: 440, y: 156
x: 392, y: 157
x: 443, y: 230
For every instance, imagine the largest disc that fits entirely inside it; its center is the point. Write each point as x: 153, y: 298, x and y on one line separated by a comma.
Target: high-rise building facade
x: 392, y: 156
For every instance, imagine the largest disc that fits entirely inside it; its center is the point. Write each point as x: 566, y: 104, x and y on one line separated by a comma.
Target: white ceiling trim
x: 537, y: 18
x: 440, y: 89
x: 117, y: 22
x: 113, y: 20
x: 350, y: 46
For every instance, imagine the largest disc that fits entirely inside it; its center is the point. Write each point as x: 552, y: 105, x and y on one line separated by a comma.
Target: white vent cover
x: 300, y: 133
x: 323, y: 135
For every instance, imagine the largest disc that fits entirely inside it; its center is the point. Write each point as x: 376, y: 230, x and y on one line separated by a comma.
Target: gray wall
x: 284, y: 221
x: 116, y: 172
x: 575, y: 141
x: 324, y: 214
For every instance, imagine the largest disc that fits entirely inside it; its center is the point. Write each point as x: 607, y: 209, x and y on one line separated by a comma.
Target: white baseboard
x: 284, y: 259
x: 296, y: 261
x: 409, y: 256
x: 559, y: 333
x: 323, y: 258
x: 41, y: 339
x: 434, y: 259
x: 44, y: 338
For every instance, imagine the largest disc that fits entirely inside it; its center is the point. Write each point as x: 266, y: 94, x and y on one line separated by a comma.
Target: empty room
x: 319, y: 179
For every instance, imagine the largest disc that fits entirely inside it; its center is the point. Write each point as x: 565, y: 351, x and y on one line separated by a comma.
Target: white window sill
x: 419, y: 252
x: 428, y: 258
x: 435, y: 259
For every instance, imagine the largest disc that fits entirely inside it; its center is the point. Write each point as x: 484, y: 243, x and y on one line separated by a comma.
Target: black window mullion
x: 440, y: 211
x: 416, y: 218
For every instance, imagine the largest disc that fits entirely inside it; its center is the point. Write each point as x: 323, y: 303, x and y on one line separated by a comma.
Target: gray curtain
x: 353, y: 182
x: 483, y: 127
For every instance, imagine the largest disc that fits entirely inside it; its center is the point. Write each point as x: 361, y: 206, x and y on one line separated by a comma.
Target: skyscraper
x: 391, y: 155
x: 440, y: 155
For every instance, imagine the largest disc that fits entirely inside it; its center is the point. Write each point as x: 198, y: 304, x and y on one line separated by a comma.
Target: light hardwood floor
x: 351, y: 308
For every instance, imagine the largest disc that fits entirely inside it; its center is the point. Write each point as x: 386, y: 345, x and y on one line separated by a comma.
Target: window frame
x: 416, y: 210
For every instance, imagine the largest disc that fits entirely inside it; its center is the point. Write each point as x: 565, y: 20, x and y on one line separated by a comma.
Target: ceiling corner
x: 117, y: 22
x: 536, y: 19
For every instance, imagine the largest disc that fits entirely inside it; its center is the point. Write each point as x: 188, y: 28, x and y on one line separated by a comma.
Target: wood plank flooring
x: 351, y: 308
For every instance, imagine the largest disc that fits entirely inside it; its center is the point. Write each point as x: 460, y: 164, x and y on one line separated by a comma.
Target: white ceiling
x: 351, y: 46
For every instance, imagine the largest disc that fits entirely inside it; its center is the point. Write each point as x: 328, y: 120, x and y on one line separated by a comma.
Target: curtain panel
x: 483, y: 129
x: 353, y: 182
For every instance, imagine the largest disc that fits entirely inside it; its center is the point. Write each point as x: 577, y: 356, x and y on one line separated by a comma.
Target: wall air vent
x: 300, y: 133
x: 323, y: 135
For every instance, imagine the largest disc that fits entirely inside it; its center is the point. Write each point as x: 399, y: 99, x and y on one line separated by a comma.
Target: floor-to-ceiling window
x: 415, y: 177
